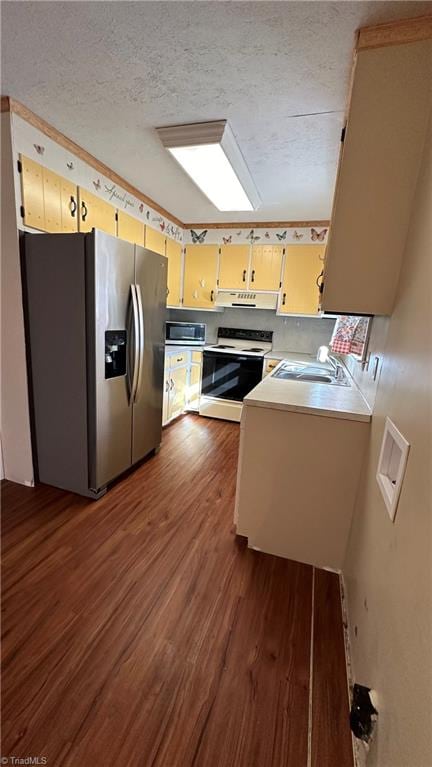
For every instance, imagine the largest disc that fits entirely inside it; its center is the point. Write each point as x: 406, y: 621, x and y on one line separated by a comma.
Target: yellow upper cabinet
x: 155, y: 240
x: 266, y: 265
x: 174, y: 255
x: 303, y: 266
x: 200, y: 275
x: 129, y: 228
x: 49, y: 200
x: 32, y: 193
x: 69, y: 206
x: 52, y: 201
x: 95, y: 213
x: 234, y: 266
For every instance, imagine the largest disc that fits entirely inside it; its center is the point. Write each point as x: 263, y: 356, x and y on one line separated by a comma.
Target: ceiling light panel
x: 211, y: 157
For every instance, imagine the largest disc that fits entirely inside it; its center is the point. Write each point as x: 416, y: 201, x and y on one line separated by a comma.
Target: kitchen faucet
x: 324, y: 356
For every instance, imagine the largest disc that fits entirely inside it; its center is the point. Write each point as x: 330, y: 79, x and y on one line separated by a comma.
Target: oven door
x: 230, y: 376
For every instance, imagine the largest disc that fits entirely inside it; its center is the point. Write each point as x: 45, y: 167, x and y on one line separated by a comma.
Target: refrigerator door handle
x: 134, y: 353
x: 141, y: 338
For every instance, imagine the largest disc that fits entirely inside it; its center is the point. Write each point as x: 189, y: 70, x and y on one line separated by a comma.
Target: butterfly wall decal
x: 141, y: 208
x: 148, y: 215
x: 318, y: 236
x: 252, y: 237
x: 97, y: 184
x: 267, y: 235
x: 39, y: 149
x: 70, y: 165
x: 198, y: 239
x: 297, y: 235
x: 238, y: 233
x: 281, y: 236
x: 162, y: 226
x: 227, y: 240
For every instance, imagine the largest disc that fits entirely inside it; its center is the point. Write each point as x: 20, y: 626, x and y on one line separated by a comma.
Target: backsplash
x: 298, y: 334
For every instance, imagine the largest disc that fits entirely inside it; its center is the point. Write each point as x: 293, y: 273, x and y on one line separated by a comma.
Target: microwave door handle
x: 141, y: 340
x: 133, y: 351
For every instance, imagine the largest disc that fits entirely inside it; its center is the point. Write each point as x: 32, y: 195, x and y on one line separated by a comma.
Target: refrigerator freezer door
x: 151, y: 282
x: 111, y: 274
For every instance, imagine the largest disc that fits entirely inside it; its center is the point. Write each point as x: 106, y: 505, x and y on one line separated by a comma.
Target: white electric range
x: 231, y: 369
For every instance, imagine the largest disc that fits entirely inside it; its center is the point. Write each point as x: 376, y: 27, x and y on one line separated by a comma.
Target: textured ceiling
x: 107, y: 73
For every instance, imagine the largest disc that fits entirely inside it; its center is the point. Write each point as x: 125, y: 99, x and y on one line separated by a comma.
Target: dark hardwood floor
x: 138, y: 630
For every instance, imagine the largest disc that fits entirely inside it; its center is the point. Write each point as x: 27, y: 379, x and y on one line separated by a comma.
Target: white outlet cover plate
x: 391, y: 466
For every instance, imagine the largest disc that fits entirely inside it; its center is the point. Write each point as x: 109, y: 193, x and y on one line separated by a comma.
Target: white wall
x: 15, y: 420
x: 388, y: 567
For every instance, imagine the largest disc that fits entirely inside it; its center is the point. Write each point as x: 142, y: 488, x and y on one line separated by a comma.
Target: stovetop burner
x: 253, y: 349
x: 223, y: 346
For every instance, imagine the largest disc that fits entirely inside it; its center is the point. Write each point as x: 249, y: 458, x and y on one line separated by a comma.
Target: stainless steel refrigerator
x: 95, y: 311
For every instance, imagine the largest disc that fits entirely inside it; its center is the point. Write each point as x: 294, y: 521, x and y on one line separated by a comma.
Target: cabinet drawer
x: 178, y: 359
x: 197, y: 357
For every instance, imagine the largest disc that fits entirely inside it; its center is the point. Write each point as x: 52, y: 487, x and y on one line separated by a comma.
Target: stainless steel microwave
x: 185, y: 333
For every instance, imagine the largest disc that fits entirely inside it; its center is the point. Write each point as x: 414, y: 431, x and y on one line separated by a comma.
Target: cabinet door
x: 379, y: 164
x: 154, y: 240
x: 303, y: 266
x: 129, y: 228
x: 52, y: 200
x: 200, y: 275
x: 266, y: 265
x: 174, y: 254
x: 234, y: 266
x: 32, y: 193
x: 194, y: 389
x: 178, y: 390
x: 96, y: 213
x: 166, y: 395
x: 69, y: 206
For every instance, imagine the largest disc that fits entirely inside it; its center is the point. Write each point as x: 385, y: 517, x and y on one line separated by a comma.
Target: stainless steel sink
x: 292, y: 372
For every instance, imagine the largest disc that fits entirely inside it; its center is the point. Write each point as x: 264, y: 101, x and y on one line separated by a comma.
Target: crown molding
x: 259, y: 225
x: 394, y: 33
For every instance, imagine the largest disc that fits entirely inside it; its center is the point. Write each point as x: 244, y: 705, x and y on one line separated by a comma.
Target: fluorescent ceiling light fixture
x: 209, y: 154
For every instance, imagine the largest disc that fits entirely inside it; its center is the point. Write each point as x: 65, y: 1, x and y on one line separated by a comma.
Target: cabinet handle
x: 320, y: 285
x: 73, y: 206
x: 212, y: 295
x: 167, y: 292
x: 253, y: 275
x: 171, y: 385
x: 283, y: 299
x: 179, y: 359
x: 244, y: 275
x: 84, y: 211
x: 167, y: 386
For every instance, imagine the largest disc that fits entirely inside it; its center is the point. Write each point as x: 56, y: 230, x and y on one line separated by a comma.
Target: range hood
x: 229, y: 298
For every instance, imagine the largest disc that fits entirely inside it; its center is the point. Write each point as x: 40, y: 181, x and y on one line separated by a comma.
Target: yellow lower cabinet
x: 178, y: 386
x: 303, y: 266
x: 166, y: 393
x: 234, y: 267
x: 95, y: 213
x: 194, y: 389
x: 266, y: 266
x: 174, y: 255
x: 130, y: 228
x: 200, y: 276
x: 32, y: 193
x: 69, y: 206
x: 154, y: 240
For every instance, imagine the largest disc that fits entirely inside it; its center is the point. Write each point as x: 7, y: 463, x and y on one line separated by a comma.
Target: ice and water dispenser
x: 115, y: 353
